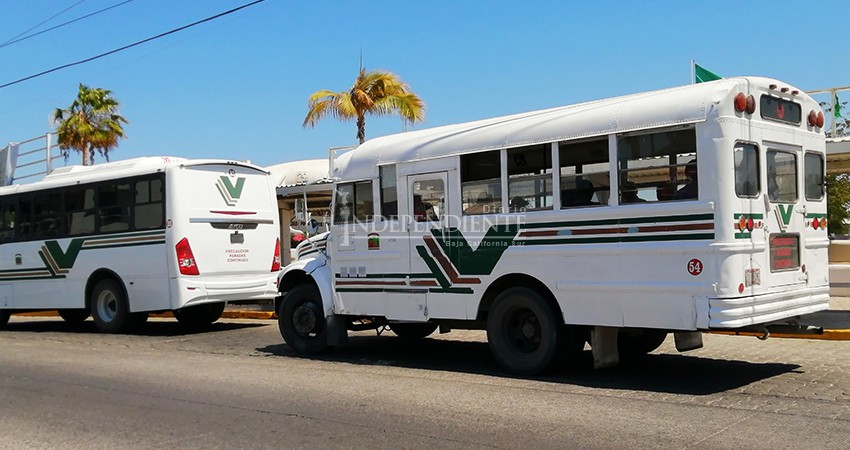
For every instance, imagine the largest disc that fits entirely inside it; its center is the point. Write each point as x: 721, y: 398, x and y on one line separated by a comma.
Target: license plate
x: 237, y: 238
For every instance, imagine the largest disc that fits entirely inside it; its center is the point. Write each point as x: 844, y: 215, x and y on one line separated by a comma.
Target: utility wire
x: 44, y: 21
x: 82, y: 61
x: 15, y: 40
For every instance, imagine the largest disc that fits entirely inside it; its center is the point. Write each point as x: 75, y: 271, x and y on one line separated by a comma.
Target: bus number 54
x: 694, y: 267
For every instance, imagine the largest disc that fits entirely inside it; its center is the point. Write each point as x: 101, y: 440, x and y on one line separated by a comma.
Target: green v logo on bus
x: 483, y: 259
x: 60, y: 262
x: 229, y: 192
x: 783, y: 215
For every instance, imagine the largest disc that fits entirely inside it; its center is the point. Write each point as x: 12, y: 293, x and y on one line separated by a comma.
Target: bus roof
x: 118, y: 169
x: 667, y: 107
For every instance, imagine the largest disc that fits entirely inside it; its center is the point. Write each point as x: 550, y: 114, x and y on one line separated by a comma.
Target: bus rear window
x: 774, y: 108
x: 781, y: 176
x: 814, y: 176
x: 747, y: 171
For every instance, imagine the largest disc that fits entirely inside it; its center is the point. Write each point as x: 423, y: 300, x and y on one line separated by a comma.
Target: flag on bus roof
x: 837, y: 109
x: 701, y: 74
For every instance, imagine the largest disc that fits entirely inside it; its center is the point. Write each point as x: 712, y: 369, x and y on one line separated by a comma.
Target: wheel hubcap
x: 305, y: 318
x: 524, y: 331
x: 107, y: 306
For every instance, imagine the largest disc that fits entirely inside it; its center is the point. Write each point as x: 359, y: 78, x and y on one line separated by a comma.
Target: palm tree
x: 92, y: 123
x: 376, y: 92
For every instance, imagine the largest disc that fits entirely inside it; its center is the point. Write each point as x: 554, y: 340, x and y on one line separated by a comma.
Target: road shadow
x: 662, y: 373
x: 151, y: 329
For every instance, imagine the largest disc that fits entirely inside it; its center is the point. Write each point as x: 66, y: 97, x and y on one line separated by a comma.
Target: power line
x: 15, y: 40
x: 82, y: 61
x: 44, y: 21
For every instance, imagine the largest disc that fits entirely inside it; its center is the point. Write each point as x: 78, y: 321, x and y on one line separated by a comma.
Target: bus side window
x: 389, y: 193
x: 7, y: 220
x: 660, y: 166
x: 481, y: 182
x: 530, y: 178
x: 113, y: 207
x: 147, y: 209
x: 584, y: 173
x: 354, y: 202
x: 79, y: 211
x: 747, y: 182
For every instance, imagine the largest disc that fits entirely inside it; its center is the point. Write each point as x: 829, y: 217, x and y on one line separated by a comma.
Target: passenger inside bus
x: 629, y: 193
x: 582, y: 195
x: 665, y: 192
x: 689, y: 191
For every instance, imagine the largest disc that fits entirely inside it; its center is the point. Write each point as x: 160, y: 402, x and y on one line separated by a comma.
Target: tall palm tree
x: 376, y: 92
x: 92, y: 123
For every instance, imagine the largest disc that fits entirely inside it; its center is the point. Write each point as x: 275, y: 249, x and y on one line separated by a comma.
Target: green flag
x: 837, y: 109
x: 702, y: 74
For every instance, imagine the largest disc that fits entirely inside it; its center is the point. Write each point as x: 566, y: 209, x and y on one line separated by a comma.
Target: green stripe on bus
x: 435, y: 268
x: 815, y: 215
x: 615, y: 239
x: 753, y: 215
x: 621, y: 221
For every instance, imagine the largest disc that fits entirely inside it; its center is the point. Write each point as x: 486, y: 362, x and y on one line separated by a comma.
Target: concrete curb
x: 260, y: 315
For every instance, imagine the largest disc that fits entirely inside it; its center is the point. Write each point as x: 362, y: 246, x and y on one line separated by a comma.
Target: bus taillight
x: 276, y: 258
x: 185, y: 258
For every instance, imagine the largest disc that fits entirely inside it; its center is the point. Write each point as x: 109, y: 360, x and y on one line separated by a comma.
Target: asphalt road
x: 239, y: 386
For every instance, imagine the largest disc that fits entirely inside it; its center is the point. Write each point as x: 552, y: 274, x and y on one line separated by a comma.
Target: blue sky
x: 237, y: 87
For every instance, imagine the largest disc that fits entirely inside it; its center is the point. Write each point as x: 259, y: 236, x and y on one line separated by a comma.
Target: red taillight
x: 751, y: 104
x: 185, y: 258
x: 276, y: 259
x: 740, y: 102
x: 820, y: 119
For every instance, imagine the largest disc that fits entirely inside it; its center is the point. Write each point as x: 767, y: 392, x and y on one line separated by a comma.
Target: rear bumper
x: 725, y: 313
x: 194, y: 291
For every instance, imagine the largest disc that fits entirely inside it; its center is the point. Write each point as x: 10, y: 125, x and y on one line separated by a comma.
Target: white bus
x: 616, y: 222
x: 120, y: 240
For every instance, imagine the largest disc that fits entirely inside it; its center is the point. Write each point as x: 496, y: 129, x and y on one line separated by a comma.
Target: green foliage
x: 837, y: 202
x: 376, y: 93
x: 90, y: 124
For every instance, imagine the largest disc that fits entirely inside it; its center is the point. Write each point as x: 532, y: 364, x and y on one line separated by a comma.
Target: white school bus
x: 616, y: 221
x: 120, y: 240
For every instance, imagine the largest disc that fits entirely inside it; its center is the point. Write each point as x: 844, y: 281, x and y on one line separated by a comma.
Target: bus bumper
x: 187, y: 291
x: 741, y: 312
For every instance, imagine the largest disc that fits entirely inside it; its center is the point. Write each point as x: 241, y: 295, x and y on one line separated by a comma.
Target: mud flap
x: 687, y: 340
x: 604, y: 346
x: 337, y: 330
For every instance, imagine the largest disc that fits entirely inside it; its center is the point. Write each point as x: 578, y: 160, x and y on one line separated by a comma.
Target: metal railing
x: 35, y: 156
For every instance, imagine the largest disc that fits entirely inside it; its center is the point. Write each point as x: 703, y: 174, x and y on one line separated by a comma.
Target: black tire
x: 571, y: 347
x: 109, y: 307
x: 634, y: 343
x: 74, y: 316
x: 4, y: 318
x: 413, y: 331
x: 199, y: 316
x: 301, y: 320
x: 523, y: 332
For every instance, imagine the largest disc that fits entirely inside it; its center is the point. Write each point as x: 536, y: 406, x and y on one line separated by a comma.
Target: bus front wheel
x: 109, y: 307
x: 522, y: 331
x: 199, y: 316
x: 4, y: 318
x: 301, y: 320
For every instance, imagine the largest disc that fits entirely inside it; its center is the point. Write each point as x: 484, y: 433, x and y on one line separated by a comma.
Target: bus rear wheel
x: 109, y: 307
x: 522, y: 331
x: 199, y: 316
x: 637, y: 342
x: 74, y: 316
x: 4, y: 318
x: 301, y: 320
x: 413, y: 331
